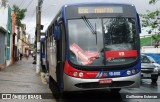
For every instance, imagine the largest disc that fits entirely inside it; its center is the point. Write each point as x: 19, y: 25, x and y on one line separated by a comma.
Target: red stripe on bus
x: 121, y: 54
x: 69, y: 70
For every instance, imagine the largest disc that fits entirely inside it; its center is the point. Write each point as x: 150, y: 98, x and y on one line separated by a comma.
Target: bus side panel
x: 51, y: 57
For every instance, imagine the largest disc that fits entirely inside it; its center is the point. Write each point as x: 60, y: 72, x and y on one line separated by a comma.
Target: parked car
x: 155, y: 63
x: 149, y: 68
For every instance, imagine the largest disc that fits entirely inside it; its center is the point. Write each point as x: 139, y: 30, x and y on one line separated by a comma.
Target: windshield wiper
x: 90, y: 26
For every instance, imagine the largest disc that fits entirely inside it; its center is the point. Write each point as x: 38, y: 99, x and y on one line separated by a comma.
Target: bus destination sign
x: 108, y: 9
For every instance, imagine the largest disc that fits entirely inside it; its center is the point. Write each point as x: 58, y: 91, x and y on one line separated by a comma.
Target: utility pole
x: 38, y: 28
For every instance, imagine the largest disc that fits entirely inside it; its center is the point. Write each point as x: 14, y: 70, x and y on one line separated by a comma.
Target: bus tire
x: 54, y: 88
x: 116, y: 90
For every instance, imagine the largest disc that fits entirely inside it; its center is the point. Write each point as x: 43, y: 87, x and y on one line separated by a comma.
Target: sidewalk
x: 21, y: 78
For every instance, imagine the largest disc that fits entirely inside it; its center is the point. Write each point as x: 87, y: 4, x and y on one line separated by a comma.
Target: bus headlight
x: 133, y: 71
x: 75, y: 74
x: 128, y: 72
x: 80, y: 74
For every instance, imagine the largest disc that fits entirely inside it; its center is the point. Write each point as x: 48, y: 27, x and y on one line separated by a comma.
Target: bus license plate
x: 106, y: 81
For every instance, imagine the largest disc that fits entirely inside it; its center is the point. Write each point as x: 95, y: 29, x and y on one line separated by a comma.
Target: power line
x: 32, y: 17
x: 33, y: 28
x: 32, y: 13
x: 21, y: 3
x: 29, y: 4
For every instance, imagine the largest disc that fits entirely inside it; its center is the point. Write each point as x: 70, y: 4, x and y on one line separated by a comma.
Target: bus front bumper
x: 79, y: 84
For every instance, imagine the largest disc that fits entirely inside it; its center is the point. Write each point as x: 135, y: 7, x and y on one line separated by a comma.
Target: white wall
x: 4, y: 17
x: 4, y: 23
x: 150, y: 49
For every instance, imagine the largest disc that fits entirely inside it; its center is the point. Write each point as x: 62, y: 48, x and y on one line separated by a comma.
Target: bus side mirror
x: 56, y: 33
x: 59, y: 20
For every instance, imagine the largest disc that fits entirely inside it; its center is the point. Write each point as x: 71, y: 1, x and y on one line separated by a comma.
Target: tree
x: 151, y: 20
x: 20, y: 14
x: 153, y: 1
x: 3, y: 3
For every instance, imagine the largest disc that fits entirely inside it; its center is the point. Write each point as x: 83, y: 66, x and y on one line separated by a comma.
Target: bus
x: 43, y: 54
x: 93, y: 46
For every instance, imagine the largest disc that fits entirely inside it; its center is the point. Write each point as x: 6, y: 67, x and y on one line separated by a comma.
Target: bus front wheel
x: 54, y: 88
x: 116, y: 90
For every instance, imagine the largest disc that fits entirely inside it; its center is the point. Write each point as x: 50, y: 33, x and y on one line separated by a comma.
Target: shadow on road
x: 154, y: 84
x: 93, y: 96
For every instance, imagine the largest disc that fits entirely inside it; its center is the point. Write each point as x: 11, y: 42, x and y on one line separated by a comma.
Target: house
x: 24, y: 40
x: 6, y: 25
x: 14, y: 56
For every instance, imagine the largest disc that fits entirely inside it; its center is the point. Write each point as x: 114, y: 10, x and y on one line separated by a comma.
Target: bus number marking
x: 114, y: 73
x: 81, y: 11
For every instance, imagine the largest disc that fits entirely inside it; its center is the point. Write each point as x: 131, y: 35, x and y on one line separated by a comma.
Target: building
x: 6, y: 24
x: 24, y: 41
x: 2, y: 47
x: 14, y: 56
x: 21, y: 39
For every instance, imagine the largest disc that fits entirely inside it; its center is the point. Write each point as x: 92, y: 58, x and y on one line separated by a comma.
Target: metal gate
x: 2, y: 48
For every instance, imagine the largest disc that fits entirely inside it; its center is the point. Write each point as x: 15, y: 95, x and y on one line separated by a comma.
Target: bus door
x: 51, y: 55
x: 60, y: 54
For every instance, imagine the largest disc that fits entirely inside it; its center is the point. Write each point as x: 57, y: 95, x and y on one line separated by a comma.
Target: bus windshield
x: 102, y: 42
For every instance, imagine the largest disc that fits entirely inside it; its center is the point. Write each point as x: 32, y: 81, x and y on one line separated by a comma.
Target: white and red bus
x: 94, y: 46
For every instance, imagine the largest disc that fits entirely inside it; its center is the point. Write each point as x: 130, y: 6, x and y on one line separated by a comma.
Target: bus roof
x: 88, y: 3
x: 62, y: 9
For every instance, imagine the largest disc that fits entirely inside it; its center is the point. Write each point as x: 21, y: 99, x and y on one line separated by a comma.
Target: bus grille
x: 97, y: 85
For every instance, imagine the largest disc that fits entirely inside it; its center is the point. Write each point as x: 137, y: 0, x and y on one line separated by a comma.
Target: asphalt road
x: 21, y: 78
x: 125, y: 95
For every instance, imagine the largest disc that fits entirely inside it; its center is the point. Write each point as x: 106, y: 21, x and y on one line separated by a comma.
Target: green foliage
x: 145, y: 41
x: 149, y: 40
x: 3, y: 3
x: 20, y: 14
x: 156, y: 37
x: 151, y: 20
x: 153, y: 1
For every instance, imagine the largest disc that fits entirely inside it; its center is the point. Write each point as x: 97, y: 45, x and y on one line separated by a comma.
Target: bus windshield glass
x: 102, y: 42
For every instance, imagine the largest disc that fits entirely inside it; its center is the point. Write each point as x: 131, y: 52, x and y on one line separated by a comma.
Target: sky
x: 51, y: 7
